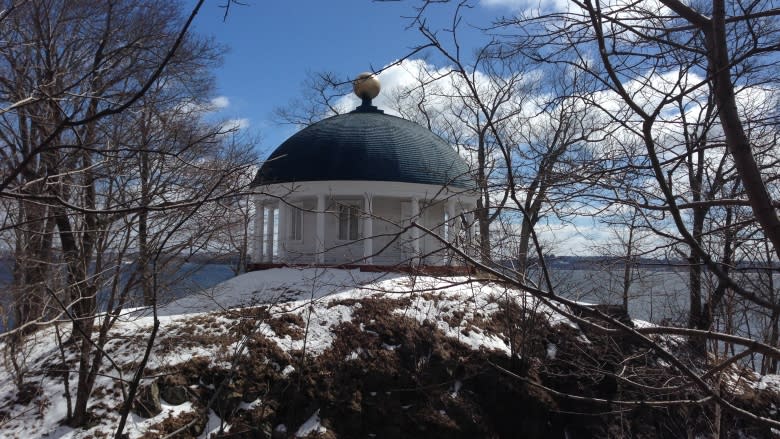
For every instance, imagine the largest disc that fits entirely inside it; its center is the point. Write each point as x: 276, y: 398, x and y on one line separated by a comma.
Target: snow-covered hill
x: 332, y: 353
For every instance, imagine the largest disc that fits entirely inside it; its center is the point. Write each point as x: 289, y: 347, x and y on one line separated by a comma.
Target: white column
x: 257, y: 257
x: 368, y: 229
x: 319, y: 237
x: 269, y: 235
x: 415, y: 230
x: 452, y: 229
x: 451, y: 221
x: 282, y: 233
x: 470, y: 217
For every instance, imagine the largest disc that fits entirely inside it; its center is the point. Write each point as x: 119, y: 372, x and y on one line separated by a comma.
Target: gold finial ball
x: 366, y: 86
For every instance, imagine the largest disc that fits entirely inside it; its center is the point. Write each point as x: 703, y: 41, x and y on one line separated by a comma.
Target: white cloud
x: 236, y: 124
x: 649, y: 89
x: 214, y: 105
x: 528, y: 7
x: 220, y: 102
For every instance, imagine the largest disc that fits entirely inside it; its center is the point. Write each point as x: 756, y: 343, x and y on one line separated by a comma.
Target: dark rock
x: 175, y: 395
x: 227, y: 403
x: 147, y: 402
x: 174, y: 389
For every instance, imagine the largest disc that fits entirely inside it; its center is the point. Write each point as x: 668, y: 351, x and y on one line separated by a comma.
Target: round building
x: 363, y: 189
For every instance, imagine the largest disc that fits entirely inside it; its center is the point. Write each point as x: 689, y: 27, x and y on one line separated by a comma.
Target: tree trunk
x: 629, y: 263
x: 144, y: 255
x: 696, y: 317
x: 483, y: 204
x: 736, y: 139
x: 523, y: 245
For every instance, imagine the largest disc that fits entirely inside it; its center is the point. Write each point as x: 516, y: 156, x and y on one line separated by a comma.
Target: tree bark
x: 736, y: 139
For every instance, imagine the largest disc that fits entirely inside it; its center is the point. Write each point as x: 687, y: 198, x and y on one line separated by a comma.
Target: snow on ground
x: 312, y: 425
x: 190, y: 326
x: 769, y: 382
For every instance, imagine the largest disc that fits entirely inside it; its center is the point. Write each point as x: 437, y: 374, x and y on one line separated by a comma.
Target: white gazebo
x: 363, y: 189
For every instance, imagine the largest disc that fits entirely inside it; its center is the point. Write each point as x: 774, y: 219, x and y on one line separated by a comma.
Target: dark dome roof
x: 365, y: 145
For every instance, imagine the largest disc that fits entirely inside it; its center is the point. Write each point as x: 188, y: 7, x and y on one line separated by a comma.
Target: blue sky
x: 272, y: 46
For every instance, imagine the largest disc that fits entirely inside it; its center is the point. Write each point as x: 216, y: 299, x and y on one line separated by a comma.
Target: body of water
x: 188, y: 278
x: 654, y: 295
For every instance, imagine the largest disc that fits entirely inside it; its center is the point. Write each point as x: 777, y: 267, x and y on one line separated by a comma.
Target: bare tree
x: 674, y: 80
x: 95, y: 186
x: 688, y: 75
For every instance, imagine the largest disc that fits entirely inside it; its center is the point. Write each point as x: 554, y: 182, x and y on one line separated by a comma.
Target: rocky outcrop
x: 147, y: 402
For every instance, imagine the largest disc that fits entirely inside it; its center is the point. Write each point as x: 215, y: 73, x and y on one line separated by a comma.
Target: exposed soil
x: 388, y: 376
